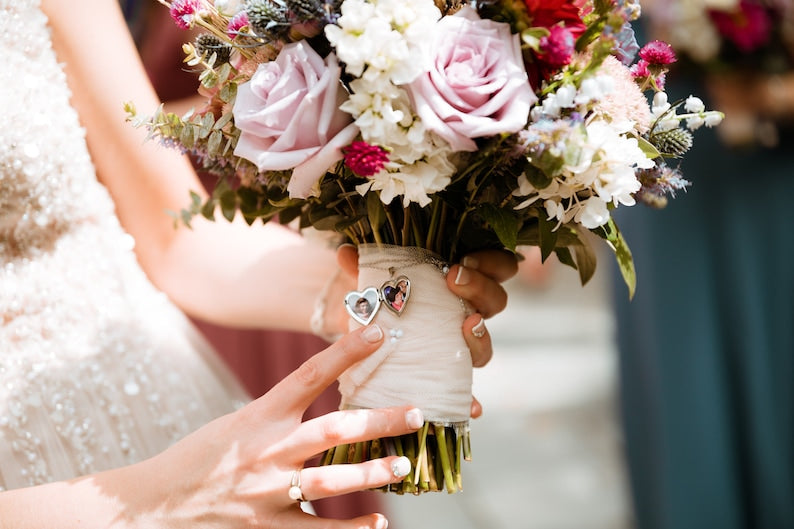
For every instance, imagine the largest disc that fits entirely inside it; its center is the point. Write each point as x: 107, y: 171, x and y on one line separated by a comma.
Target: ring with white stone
x: 295, y: 493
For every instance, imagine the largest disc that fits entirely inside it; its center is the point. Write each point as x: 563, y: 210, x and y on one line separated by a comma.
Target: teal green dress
x: 707, y: 344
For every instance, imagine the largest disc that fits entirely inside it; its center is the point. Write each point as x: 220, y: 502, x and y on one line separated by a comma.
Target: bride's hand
x: 237, y: 470
x: 477, y: 279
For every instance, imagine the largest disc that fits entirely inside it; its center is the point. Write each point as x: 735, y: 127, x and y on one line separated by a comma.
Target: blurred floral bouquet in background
x: 439, y: 128
x: 745, y: 48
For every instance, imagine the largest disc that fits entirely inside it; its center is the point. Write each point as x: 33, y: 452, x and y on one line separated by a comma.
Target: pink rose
x: 476, y: 85
x: 289, y: 117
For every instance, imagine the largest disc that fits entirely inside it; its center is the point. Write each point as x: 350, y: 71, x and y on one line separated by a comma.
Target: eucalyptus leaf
x: 228, y: 202
x: 214, y: 142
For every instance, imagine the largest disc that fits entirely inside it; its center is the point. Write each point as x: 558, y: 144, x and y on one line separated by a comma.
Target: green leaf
x: 228, y: 93
x: 228, y: 201
x: 625, y: 261
x: 565, y: 257
x: 375, y: 211
x: 531, y: 37
x: 503, y: 222
x: 214, y: 142
x: 223, y: 120
x: 538, y: 178
x: 330, y: 222
x: 547, y: 236
x: 585, y: 261
x: 648, y: 148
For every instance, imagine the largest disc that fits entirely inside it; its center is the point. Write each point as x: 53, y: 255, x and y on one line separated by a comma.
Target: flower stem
x: 443, y: 453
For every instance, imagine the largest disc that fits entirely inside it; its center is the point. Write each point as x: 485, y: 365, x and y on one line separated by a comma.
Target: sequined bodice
x: 97, y: 367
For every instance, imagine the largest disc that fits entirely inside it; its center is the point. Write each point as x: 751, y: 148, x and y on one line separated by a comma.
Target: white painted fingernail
x: 382, y: 523
x: 479, y: 330
x: 373, y: 333
x: 401, y: 467
x: 463, y: 277
x: 470, y: 262
x: 414, y: 418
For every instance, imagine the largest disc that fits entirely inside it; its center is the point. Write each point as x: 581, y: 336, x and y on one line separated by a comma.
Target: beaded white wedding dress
x: 97, y: 368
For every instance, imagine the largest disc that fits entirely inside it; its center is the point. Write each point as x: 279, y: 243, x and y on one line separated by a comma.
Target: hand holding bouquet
x: 420, y: 131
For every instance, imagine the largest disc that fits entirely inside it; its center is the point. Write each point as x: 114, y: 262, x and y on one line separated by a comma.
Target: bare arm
x: 235, y: 275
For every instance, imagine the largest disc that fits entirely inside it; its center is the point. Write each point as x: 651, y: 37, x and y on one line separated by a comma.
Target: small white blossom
x: 229, y: 8
x: 714, y: 118
x: 694, y: 104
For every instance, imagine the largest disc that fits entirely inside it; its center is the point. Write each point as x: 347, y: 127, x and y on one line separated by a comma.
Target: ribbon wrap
x: 424, y: 360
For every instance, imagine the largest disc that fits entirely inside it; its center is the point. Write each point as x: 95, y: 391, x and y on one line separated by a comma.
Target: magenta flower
x: 365, y: 159
x: 748, y: 28
x: 183, y: 12
x: 238, y: 21
x: 658, y: 53
x: 640, y: 70
x: 558, y: 47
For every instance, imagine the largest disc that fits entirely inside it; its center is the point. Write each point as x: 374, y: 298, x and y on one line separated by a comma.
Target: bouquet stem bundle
x: 435, y: 452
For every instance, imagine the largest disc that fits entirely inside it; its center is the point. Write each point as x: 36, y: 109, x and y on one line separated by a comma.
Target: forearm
x: 246, y: 276
x: 93, y: 502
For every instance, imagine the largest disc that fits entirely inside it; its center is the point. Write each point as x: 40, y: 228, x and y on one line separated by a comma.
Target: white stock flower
x: 388, y: 38
x: 413, y: 182
x: 593, y: 89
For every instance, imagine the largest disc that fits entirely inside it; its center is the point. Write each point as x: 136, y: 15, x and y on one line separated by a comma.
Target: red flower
x: 658, y: 53
x: 748, y: 27
x: 365, y: 159
x: 548, y: 13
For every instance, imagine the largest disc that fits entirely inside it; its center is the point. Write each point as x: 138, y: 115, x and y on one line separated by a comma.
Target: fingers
x: 299, y: 389
x: 347, y: 257
x: 335, y: 480
x: 303, y: 520
x: 352, y: 426
x: 499, y: 265
x: 476, y: 408
x: 485, y: 294
x: 478, y: 339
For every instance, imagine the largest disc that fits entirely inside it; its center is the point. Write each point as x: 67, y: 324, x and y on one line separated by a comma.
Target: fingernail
x: 400, y: 467
x: 463, y: 277
x: 479, y: 330
x: 414, y: 418
x: 470, y: 262
x: 382, y: 523
x: 372, y: 333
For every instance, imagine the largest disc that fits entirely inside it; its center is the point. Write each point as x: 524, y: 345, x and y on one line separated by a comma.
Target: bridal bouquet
x: 422, y: 130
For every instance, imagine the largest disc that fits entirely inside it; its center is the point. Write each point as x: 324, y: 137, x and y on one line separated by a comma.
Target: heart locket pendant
x: 362, y: 306
x: 395, y: 293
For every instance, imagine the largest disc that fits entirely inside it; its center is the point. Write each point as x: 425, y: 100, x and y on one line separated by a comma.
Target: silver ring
x: 295, y: 493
